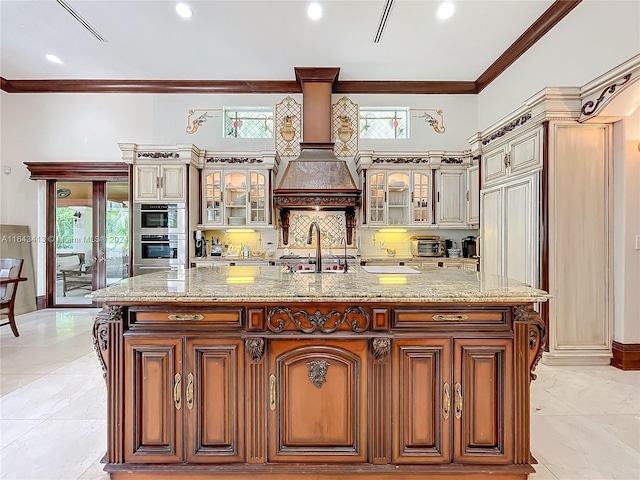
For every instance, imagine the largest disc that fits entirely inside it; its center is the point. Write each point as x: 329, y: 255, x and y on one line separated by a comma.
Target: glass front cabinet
x: 236, y: 197
x: 399, y: 197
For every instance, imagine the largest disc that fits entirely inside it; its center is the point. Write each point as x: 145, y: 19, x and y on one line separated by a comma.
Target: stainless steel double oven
x: 159, y: 237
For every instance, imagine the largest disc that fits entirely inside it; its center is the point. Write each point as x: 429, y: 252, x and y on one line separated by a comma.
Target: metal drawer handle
x: 450, y: 318
x: 186, y: 316
x: 190, y: 391
x: 272, y: 391
x: 446, y: 401
x: 458, y: 400
x: 177, y: 391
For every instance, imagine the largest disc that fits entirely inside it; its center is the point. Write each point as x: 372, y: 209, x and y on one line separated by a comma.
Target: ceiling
x: 261, y: 40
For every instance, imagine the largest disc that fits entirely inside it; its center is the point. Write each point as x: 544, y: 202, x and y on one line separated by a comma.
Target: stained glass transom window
x: 248, y: 123
x: 380, y: 123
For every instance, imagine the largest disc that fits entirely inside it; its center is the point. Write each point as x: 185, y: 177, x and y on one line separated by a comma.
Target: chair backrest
x: 11, y: 268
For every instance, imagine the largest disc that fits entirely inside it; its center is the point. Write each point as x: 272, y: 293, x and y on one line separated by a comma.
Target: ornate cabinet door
x: 317, y: 401
x: 173, y: 182
x: 214, y: 401
x: 482, y: 400
x: 422, y: 401
x: 153, y: 400
x: 451, y: 197
x: 146, y: 183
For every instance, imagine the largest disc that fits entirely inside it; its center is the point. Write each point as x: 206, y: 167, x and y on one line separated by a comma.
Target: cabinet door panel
x: 520, y: 232
x: 483, y: 401
x: 451, y: 197
x: 422, y: 408
x: 473, y: 195
x: 173, y: 182
x: 215, y: 416
x: 491, y: 232
x: 153, y: 429
x: 493, y: 166
x: 320, y: 411
x: 146, y: 182
x: 525, y: 153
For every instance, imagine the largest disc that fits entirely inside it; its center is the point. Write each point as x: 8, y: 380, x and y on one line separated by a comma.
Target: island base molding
x: 292, y: 472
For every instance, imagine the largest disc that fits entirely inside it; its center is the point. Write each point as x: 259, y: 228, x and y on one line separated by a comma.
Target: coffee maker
x: 469, y: 247
x: 200, y: 244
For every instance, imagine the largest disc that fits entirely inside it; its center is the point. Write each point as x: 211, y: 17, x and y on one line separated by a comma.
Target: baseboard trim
x: 41, y: 302
x: 626, y: 356
x: 576, y: 359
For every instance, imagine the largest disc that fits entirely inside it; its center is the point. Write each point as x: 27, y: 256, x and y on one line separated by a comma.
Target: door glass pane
x: 73, y: 237
x: 117, y: 231
x: 257, y: 197
x: 398, y: 198
x: 376, y: 198
x: 421, y: 198
x: 235, y: 187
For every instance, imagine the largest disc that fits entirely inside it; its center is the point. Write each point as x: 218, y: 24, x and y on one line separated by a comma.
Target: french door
x: 90, y: 238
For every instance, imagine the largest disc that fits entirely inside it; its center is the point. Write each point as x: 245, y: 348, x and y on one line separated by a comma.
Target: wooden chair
x: 10, y: 270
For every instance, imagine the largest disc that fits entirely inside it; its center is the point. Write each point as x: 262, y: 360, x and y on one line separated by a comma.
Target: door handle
x: 458, y: 400
x: 446, y: 401
x: 177, y: 391
x: 190, y: 391
x: 272, y: 391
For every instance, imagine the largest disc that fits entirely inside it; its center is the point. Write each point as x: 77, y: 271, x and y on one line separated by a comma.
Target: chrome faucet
x: 346, y: 266
x: 318, y: 249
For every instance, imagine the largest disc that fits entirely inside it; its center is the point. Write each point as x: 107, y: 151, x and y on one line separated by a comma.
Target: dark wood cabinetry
x: 270, y: 391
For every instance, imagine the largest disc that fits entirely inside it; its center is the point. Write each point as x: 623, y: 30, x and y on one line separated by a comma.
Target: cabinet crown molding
x: 179, y: 153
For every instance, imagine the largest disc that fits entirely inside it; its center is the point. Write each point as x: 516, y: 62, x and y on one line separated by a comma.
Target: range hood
x: 317, y: 179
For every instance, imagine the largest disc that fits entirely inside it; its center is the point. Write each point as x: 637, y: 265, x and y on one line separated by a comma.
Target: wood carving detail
x: 293, y: 200
x: 536, y: 330
x: 590, y: 107
x: 318, y: 372
x: 380, y: 348
x: 356, y: 317
x: 100, y: 333
x: 400, y: 160
x: 254, y: 348
x: 452, y: 161
x: 158, y: 155
x: 507, y: 128
x: 233, y: 160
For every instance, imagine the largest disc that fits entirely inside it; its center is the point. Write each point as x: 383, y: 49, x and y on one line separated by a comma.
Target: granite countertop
x: 273, y: 284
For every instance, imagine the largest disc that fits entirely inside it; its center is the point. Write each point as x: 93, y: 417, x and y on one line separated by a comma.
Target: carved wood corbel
x: 536, y: 334
x: 254, y: 348
x: 112, y: 314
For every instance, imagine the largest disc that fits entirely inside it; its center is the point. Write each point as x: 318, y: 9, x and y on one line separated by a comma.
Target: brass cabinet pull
x: 272, y: 391
x: 446, y: 401
x: 458, y: 400
x: 450, y: 318
x: 177, y: 391
x: 186, y: 316
x: 190, y: 391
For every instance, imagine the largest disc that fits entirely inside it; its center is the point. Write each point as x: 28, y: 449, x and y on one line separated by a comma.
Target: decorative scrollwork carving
x: 507, y: 128
x: 255, y: 348
x: 590, y: 107
x: 101, y: 340
x: 520, y: 313
x: 400, y: 160
x: 233, y: 160
x: 158, y: 155
x: 380, y: 348
x: 536, y: 343
x: 452, y: 161
x: 356, y: 317
x: 318, y: 371
x: 345, y: 200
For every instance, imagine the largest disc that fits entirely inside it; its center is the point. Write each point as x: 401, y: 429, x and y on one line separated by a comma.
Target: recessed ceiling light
x: 53, y: 58
x: 314, y: 11
x: 184, y: 11
x: 446, y: 10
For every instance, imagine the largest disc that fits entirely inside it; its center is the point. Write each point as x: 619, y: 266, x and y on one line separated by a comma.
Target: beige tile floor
x: 585, y: 420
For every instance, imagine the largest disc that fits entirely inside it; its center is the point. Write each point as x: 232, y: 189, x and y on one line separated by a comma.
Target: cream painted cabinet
x: 451, y: 197
x: 473, y: 195
x: 509, y: 230
x: 236, y: 197
x: 399, y: 197
x: 518, y: 156
x: 159, y: 182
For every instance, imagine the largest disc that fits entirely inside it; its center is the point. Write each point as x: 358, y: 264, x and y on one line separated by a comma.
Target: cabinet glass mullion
x: 398, y: 198
x: 213, y: 198
x: 257, y: 197
x: 421, y: 197
x: 376, y: 197
x: 235, y: 198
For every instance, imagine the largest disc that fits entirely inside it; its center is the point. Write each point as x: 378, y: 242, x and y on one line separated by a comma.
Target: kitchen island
x: 254, y: 372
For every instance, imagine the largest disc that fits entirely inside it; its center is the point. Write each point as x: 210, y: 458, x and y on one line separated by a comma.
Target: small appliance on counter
x: 427, y: 246
x: 200, y: 244
x: 469, y: 249
x: 216, y: 248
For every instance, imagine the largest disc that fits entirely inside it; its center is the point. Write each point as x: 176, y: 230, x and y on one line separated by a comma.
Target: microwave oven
x: 431, y: 246
x: 159, y: 218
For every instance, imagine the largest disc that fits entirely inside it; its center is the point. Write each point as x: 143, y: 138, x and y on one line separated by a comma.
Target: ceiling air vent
x: 81, y: 20
x: 384, y: 18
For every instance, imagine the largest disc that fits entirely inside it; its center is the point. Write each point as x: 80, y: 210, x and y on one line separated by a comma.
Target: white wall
x: 595, y: 37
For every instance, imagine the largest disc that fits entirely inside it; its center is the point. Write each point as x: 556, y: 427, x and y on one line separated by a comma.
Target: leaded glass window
x: 387, y: 123
x: 248, y: 123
